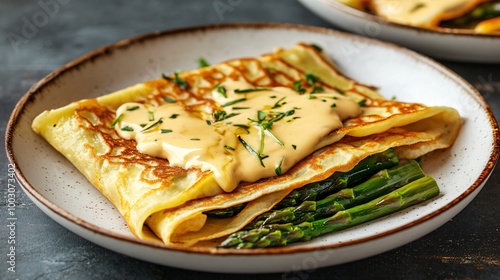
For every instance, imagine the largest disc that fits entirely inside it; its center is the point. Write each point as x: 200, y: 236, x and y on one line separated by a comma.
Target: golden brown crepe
x: 159, y: 201
x: 429, y: 13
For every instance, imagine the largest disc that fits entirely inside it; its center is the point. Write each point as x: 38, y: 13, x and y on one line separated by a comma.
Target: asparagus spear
x: 339, y: 180
x: 379, y: 184
x: 283, y: 234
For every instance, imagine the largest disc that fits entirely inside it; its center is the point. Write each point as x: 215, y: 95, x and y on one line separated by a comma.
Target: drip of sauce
x: 256, y: 133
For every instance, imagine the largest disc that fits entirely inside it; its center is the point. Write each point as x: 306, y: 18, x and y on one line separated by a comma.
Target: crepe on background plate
x: 163, y: 202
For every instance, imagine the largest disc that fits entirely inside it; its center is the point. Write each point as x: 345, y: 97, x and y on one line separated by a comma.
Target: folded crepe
x: 161, y: 200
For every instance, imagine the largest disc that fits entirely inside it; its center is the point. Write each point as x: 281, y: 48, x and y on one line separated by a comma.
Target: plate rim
x: 378, y: 19
x: 31, y: 94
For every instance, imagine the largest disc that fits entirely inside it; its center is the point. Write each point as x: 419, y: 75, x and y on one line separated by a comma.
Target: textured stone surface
x: 466, y: 247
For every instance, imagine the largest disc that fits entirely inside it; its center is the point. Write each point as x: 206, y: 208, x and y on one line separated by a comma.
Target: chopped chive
x: 279, y: 103
x: 173, y: 116
x: 261, y: 115
x: 142, y: 125
x: 311, y: 79
x: 209, y: 122
x: 277, y: 170
x: 219, y: 115
x: 311, y: 96
x: 334, y: 105
x: 252, y: 151
x: 127, y: 128
x: 234, y: 102
x: 249, y: 90
x: 231, y: 115
x: 245, y: 127
x: 229, y: 147
x: 240, y: 108
x: 133, y: 108
x: 417, y: 7
x: 202, y: 62
x: 316, y: 47
x: 195, y: 139
x: 317, y: 89
x: 294, y: 147
x: 179, y: 81
x: 166, y: 77
x: 151, y: 116
x: 222, y: 90
x: 152, y: 125
x: 222, y: 115
x: 270, y: 133
x: 362, y: 102
x: 340, y: 91
x: 289, y: 112
x: 297, y: 86
x: 119, y: 118
x: 166, y: 130
x: 272, y: 96
x: 169, y: 99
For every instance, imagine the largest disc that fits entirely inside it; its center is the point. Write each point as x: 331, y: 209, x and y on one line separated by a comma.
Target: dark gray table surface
x: 467, y: 247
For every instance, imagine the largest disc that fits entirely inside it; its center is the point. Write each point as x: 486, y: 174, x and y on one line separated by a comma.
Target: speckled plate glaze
x: 59, y: 190
x: 449, y: 44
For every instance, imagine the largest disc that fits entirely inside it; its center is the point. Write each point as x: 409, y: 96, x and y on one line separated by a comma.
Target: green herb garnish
x: 277, y: 170
x: 152, y: 125
x: 133, y: 108
x: 249, y: 90
x: 181, y: 83
x: 316, y: 47
x: 229, y: 147
x: 173, y: 116
x: 311, y: 79
x: 151, y: 116
x: 119, y: 118
x: 244, y: 126
x: 362, y: 102
x: 127, y: 128
x: 279, y: 103
x: 417, y: 7
x: 169, y: 99
x: 234, y: 102
x: 195, y: 139
x: 297, y: 86
x: 202, y: 62
x: 252, y: 151
x: 317, y: 89
x: 166, y: 130
x: 222, y: 90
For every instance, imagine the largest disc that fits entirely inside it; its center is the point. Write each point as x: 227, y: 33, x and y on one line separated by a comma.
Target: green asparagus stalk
x: 339, y: 180
x: 470, y: 19
x: 379, y: 184
x: 283, y: 234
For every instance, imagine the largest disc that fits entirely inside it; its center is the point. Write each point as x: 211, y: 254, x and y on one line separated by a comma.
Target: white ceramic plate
x: 443, y: 44
x: 59, y: 190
